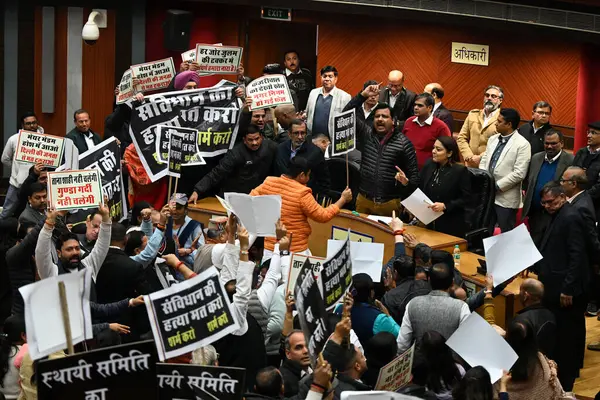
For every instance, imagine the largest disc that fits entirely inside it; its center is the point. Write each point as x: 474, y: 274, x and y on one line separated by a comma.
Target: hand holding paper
x: 421, y: 207
x: 259, y: 214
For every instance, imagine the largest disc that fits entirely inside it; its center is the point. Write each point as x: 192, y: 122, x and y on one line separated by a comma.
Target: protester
x: 11, y: 341
x: 35, y: 211
x: 186, y: 231
x: 296, y: 362
x: 476, y: 385
x: 380, y: 350
x: 443, y: 372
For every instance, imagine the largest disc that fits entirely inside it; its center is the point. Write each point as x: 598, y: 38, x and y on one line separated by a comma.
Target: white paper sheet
x: 258, y: 214
x: 43, y: 316
x: 479, y: 344
x: 380, y: 218
x: 366, y: 257
x: 418, y: 204
x: 374, y: 395
x: 510, y: 253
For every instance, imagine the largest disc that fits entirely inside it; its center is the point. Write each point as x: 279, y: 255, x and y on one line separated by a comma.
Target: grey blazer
x: 564, y: 161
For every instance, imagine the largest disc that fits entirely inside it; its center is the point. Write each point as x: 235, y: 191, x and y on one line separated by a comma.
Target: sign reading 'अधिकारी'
x: 269, y: 91
x: 36, y: 148
x: 218, y: 59
x: 74, y: 190
x: 189, y: 315
x: 466, y: 53
x: 212, y: 111
x: 154, y: 75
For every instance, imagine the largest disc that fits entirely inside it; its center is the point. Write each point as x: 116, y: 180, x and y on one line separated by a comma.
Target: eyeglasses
x: 493, y: 96
x: 543, y: 113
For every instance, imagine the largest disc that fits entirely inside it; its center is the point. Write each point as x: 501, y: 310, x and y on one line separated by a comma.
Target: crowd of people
x: 404, y: 141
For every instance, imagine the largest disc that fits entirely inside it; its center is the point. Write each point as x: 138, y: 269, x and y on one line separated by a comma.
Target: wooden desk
x: 321, y: 232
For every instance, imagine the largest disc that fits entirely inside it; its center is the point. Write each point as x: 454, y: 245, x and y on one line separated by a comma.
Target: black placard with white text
x: 191, y: 382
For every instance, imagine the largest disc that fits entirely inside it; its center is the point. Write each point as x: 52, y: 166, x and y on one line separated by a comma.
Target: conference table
x: 364, y: 229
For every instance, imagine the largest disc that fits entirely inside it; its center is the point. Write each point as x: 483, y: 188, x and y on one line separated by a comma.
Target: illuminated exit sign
x: 279, y: 14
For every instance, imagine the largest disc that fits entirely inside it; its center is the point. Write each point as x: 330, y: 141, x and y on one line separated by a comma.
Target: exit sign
x: 279, y: 14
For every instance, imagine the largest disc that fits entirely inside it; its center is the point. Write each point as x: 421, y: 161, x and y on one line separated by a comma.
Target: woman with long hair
x: 11, y: 341
x: 444, y: 372
x: 477, y: 385
x: 533, y: 376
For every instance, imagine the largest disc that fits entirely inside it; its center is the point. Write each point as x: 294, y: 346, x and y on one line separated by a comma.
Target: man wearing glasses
x: 535, y: 129
x: 19, y: 171
x: 479, y: 126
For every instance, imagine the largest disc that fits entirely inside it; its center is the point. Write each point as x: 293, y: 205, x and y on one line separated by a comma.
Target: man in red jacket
x: 423, y: 129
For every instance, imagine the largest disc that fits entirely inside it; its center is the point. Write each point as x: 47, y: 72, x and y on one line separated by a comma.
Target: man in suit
x: 299, y: 79
x: 588, y: 158
x: 119, y: 278
x: 507, y: 158
x: 297, y: 145
x: 574, y: 181
x: 535, y: 129
x: 398, y: 97
x: 544, y: 167
x: 364, y: 108
x: 325, y: 102
x: 479, y: 126
x: 82, y: 135
x: 439, y: 110
x: 564, y: 273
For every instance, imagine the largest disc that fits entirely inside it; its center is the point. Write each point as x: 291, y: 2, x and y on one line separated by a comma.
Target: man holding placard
x: 18, y: 170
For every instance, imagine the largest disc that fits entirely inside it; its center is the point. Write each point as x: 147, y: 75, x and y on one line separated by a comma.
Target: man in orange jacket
x: 298, y: 204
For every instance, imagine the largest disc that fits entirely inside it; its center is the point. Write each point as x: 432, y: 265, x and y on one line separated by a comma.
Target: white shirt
x: 428, y: 121
x: 487, y: 118
x: 554, y: 158
x: 89, y: 139
x: 570, y: 199
x: 393, y: 99
x: 436, y: 106
x: 367, y: 113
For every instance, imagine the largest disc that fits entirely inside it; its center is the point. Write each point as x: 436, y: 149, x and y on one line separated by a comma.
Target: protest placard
x: 154, y: 75
x: 44, y: 318
x: 259, y: 214
x: 122, y: 372
x: 396, y: 373
x: 126, y: 89
x: 175, y: 154
x: 343, y: 139
x: 189, y: 56
x: 189, y: 315
x: 36, y: 148
x: 296, y: 264
x: 269, y: 91
x: 336, y: 276
x: 189, y: 146
x: 105, y: 157
x: 218, y: 59
x: 74, y: 190
x: 311, y: 311
x: 213, y: 112
x: 191, y: 382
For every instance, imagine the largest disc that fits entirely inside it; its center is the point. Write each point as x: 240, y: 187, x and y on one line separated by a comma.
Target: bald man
x: 284, y: 114
x: 539, y: 317
x: 439, y: 111
x: 398, y: 97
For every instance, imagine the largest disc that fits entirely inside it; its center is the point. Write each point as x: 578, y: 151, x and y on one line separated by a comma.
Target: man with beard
x: 68, y: 249
x: 242, y: 169
x: 479, y: 126
x: 88, y: 239
x: 299, y: 79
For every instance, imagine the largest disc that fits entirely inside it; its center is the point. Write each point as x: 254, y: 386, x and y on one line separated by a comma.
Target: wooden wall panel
x: 527, y: 70
x: 98, y: 74
x: 53, y: 123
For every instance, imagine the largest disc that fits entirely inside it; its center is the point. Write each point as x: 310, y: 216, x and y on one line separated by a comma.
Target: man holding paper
x: 298, y: 203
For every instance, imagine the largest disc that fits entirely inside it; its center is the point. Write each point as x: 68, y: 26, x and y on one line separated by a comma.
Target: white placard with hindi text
x: 33, y: 148
x: 397, y: 373
x: 214, y: 59
x: 75, y: 190
x: 418, y: 204
x: 154, y: 75
x: 366, y: 257
x: 126, y: 89
x: 259, y: 214
x: 296, y: 263
x: 43, y: 315
x: 478, y: 343
x: 510, y: 253
x: 269, y: 91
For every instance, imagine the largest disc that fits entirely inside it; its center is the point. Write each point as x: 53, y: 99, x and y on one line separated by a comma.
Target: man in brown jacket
x: 479, y: 126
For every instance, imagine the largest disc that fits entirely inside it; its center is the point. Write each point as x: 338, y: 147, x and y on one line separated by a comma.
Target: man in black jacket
x: 386, y: 151
x: 588, y: 158
x: 564, y: 271
x: 120, y: 277
x: 242, y: 169
x: 539, y: 317
x: 439, y: 110
x: 535, y: 129
x: 299, y: 79
x: 297, y: 145
x: 400, y: 99
x: 296, y: 362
